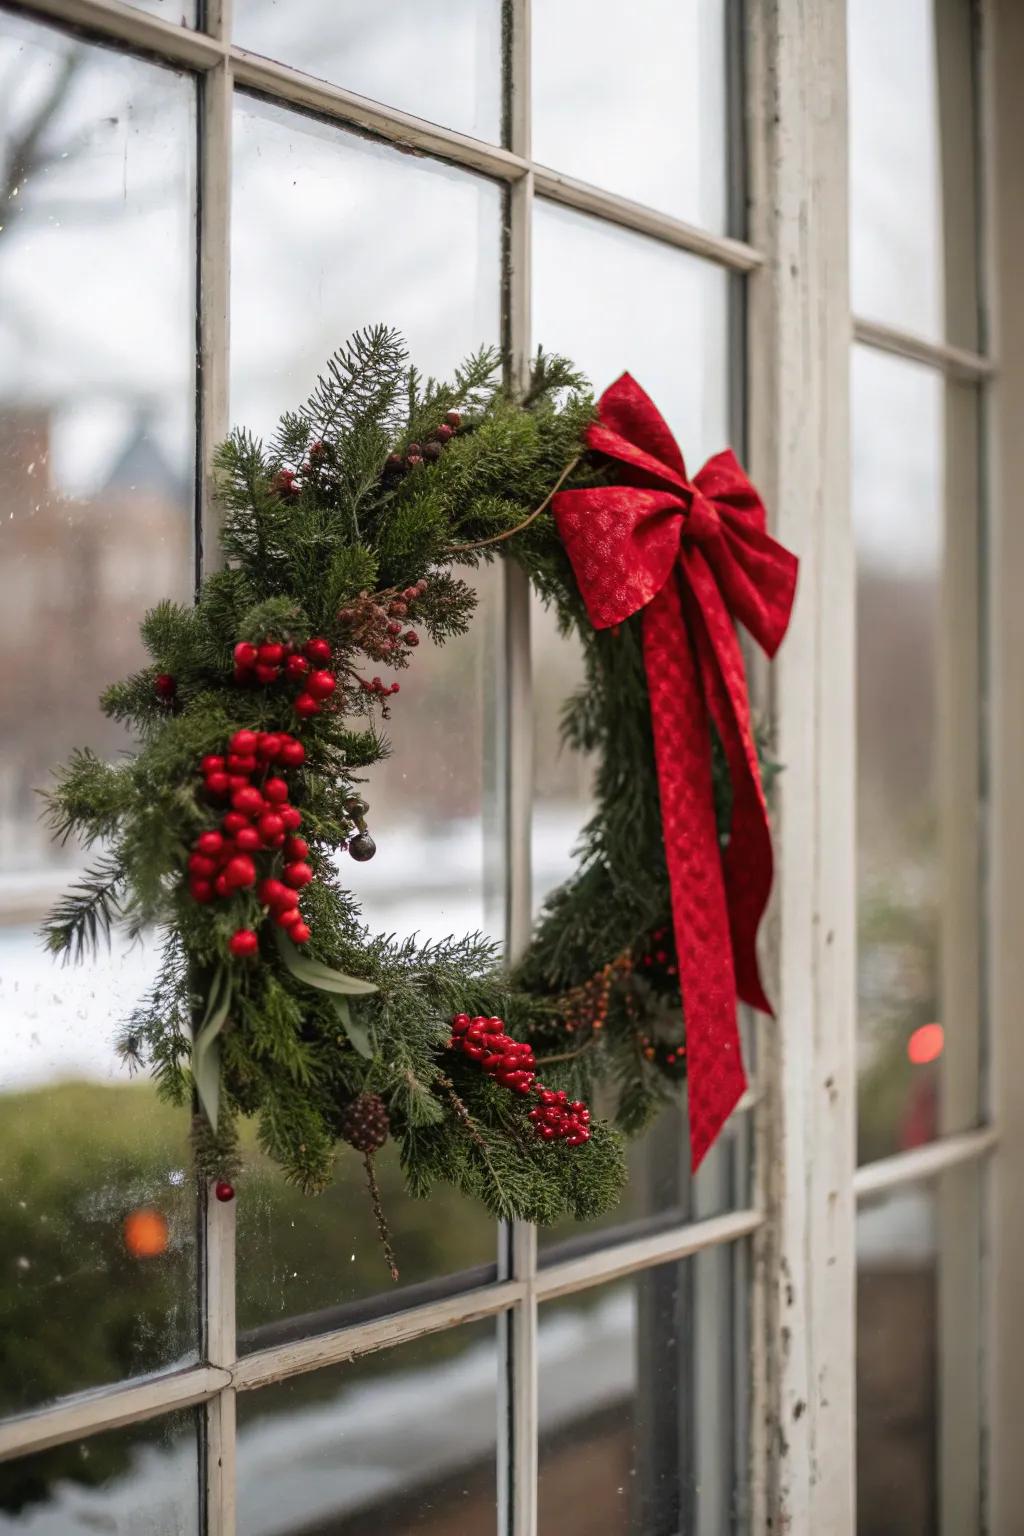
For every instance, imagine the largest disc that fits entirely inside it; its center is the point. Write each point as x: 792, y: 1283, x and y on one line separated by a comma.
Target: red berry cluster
x: 508, y: 1061
x: 416, y: 453
x: 511, y: 1062
x: 260, y: 821
x: 274, y: 660
x: 556, y: 1119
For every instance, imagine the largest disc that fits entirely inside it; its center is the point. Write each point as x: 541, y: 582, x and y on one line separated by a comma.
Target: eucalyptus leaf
x: 323, y: 977
x: 206, y: 1046
x: 358, y: 1034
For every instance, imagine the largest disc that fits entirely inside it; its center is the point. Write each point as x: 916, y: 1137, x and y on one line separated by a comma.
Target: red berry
x: 395, y: 687
x: 212, y: 764
x: 233, y: 822
x: 248, y: 800
x: 271, y: 891
x: 296, y: 848
x: 271, y: 829
x: 410, y: 594
x: 220, y: 885
x: 276, y: 790
x: 165, y: 686
x: 271, y: 653
x: 224, y: 1191
x: 248, y: 840
x: 239, y: 764
x: 265, y: 674
x: 297, y: 875
x: 287, y: 900
x: 413, y: 460
x: 269, y: 747
x: 244, y: 742
x: 238, y: 781
x: 210, y: 843
x: 240, y: 871
x: 291, y: 818
x: 244, y: 942
x: 293, y: 753
x: 246, y: 655
x: 321, y: 684
x: 296, y: 667
x: 318, y: 650
x: 411, y: 637
x: 443, y: 433
x: 453, y: 418
x: 299, y: 933
x: 287, y: 917
x: 306, y: 705
x: 201, y: 890
x: 217, y: 784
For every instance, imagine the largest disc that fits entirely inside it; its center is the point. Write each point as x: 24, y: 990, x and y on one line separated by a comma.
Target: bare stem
x: 378, y: 1211
x: 510, y: 533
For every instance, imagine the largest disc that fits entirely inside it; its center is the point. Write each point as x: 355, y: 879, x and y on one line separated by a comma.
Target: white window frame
x: 801, y: 1221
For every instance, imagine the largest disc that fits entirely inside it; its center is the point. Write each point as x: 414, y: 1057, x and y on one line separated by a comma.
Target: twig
x: 547, y: 1061
x: 378, y: 1211
x: 510, y: 533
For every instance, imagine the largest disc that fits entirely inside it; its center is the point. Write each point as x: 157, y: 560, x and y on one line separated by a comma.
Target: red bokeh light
x: 925, y: 1044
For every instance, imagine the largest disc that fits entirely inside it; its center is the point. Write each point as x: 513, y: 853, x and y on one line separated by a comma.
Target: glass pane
x: 642, y: 1419
x: 614, y: 301
x: 139, y: 1481
x: 917, y: 754
x: 442, y: 63
x: 913, y: 217
x: 918, y: 1370
x: 181, y: 11
x: 401, y: 1441
x: 96, y: 432
x: 633, y: 98
x: 329, y: 265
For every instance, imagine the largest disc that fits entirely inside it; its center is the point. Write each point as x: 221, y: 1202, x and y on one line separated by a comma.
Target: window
x: 661, y: 187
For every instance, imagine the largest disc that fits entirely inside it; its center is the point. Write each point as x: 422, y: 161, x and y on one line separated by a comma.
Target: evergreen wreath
x: 257, y: 725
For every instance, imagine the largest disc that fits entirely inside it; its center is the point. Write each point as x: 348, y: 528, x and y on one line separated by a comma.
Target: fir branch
x: 83, y: 918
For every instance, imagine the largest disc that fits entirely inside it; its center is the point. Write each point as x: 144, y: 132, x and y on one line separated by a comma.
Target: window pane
x: 614, y: 301
x: 401, y: 1441
x: 917, y: 753
x: 96, y: 431
x: 181, y: 11
x: 633, y: 98
x: 139, y: 1481
x: 442, y: 63
x: 302, y: 283
x: 642, y: 1418
x: 918, y: 1372
x: 913, y: 224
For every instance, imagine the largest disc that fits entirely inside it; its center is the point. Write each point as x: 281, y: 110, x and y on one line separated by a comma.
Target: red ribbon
x: 694, y: 556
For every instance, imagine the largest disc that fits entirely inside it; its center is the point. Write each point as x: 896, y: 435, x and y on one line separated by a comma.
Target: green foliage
x: 319, y: 529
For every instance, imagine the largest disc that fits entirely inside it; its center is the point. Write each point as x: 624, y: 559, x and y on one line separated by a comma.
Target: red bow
x: 627, y: 543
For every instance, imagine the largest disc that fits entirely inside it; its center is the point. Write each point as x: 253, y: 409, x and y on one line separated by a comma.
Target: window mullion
x: 803, y: 1447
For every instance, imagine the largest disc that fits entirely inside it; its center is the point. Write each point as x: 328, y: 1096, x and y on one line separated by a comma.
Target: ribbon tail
x: 696, y: 877
x: 747, y: 860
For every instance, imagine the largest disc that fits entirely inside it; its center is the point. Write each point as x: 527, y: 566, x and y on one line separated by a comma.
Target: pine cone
x: 364, y: 1122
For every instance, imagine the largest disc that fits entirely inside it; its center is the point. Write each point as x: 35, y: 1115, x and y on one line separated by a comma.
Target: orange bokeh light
x: 925, y: 1044
x: 145, y: 1234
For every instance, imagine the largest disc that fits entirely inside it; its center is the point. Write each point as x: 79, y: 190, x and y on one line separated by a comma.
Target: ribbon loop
x: 694, y: 558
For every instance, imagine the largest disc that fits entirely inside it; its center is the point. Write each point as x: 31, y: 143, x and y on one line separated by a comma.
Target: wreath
x: 230, y: 828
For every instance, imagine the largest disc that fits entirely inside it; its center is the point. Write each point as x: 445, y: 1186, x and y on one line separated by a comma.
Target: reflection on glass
x: 139, y: 1481
x: 634, y: 99
x: 918, y: 1372
x: 614, y: 301
x: 330, y: 263
x: 898, y: 506
x: 642, y: 1427
x: 912, y: 148
x: 398, y: 1442
x: 96, y: 367
x: 438, y: 62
